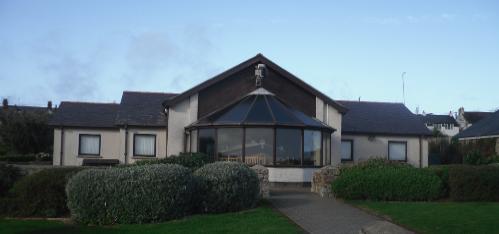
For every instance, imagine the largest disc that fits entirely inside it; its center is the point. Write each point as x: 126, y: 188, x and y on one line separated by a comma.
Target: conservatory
x: 261, y: 129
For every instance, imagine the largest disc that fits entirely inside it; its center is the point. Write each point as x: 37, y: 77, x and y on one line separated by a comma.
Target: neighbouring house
x: 467, y: 118
x: 381, y: 129
x: 255, y: 112
x: 485, y: 129
x: 446, y: 124
x: 6, y: 106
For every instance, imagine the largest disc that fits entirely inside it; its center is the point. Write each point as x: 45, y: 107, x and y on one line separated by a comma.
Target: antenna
x: 403, y: 86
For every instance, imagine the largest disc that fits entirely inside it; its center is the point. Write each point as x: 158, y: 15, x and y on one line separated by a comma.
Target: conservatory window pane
x: 326, y: 148
x: 259, y: 112
x: 230, y: 144
x: 259, y: 146
x: 288, y: 146
x: 207, y: 142
x: 312, y: 148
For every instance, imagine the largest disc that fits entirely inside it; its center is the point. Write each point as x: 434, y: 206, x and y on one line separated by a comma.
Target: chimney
x: 450, y: 114
x: 49, y: 105
x: 5, y: 104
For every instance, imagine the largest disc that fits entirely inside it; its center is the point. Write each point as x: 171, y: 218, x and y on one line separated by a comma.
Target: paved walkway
x: 322, y: 215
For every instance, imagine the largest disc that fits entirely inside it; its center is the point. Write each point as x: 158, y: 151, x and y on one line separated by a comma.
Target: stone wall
x: 263, y: 177
x: 321, y: 181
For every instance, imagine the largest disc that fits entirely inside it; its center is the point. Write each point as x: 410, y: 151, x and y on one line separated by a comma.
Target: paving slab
x: 324, y: 215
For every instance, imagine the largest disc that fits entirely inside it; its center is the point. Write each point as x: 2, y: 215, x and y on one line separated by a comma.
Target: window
x: 207, y: 142
x: 144, y: 145
x: 230, y: 144
x: 259, y: 146
x: 89, y: 145
x: 311, y: 148
x: 397, y: 150
x: 288, y: 146
x: 346, y: 150
x: 194, y: 141
x: 326, y: 148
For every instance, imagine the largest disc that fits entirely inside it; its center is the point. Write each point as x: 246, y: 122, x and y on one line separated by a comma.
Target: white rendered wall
x: 180, y: 116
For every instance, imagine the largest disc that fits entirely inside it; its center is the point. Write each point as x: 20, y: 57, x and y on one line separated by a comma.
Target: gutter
x: 62, y: 147
x: 126, y: 144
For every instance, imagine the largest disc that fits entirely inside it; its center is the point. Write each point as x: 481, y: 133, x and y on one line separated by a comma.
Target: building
x: 446, y: 124
x: 487, y: 128
x: 467, y: 118
x: 255, y: 112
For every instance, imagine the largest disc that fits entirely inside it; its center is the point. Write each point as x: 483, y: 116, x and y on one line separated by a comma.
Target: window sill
x: 89, y: 156
x: 144, y: 157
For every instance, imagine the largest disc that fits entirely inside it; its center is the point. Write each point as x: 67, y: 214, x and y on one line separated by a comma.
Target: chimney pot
x: 49, y: 105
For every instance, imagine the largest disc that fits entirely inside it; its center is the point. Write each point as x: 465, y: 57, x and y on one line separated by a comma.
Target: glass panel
x: 207, y: 142
x: 230, y: 144
x: 288, y: 146
x: 326, y: 148
x: 89, y: 144
x: 194, y: 141
x: 311, y: 148
x: 144, y: 145
x: 281, y: 112
x: 259, y: 112
x: 397, y: 150
x: 259, y: 146
x: 346, y: 150
x: 235, y: 113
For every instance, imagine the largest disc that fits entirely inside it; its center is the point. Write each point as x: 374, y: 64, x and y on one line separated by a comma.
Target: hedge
x: 474, y: 183
x: 139, y: 194
x: 8, y: 175
x: 189, y: 160
x: 226, y: 187
x: 42, y: 194
x: 388, y: 181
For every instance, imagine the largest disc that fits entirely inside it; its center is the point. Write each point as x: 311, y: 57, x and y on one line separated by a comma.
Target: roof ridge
x: 382, y: 102
x: 94, y: 103
x: 148, y: 92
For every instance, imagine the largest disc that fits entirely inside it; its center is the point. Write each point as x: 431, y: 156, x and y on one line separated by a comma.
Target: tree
x: 25, y: 131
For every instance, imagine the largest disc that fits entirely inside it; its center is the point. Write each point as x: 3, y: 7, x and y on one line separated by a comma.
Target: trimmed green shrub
x: 42, y: 194
x: 8, y: 175
x: 18, y: 158
x: 474, y: 183
x: 375, y: 180
x: 227, y: 186
x: 189, y: 160
x: 139, y: 194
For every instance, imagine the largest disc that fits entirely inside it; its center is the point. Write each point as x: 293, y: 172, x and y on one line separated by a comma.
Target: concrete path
x: 326, y: 215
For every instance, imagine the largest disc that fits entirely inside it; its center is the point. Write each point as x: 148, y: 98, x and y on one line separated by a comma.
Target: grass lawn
x: 440, y: 217
x: 260, y: 220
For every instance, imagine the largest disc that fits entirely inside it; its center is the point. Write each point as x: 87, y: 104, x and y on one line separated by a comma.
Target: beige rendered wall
x: 180, y: 116
x: 365, y: 148
x: 110, y: 145
x: 330, y: 116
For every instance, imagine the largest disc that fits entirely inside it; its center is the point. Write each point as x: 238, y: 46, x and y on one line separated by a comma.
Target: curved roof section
x: 488, y: 126
x: 260, y: 108
x: 381, y: 118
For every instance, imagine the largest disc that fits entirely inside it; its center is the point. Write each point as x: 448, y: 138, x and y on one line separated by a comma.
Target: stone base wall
x: 263, y: 177
x: 322, y: 178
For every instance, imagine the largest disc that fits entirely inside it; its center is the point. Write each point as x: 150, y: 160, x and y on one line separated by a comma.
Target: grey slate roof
x: 488, y: 126
x: 84, y: 114
x: 381, y: 118
x: 142, y: 109
x: 475, y: 116
x: 438, y: 119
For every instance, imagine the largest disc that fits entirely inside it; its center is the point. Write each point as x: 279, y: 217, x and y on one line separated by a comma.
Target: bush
x: 227, y: 186
x: 474, y: 183
x: 375, y: 180
x: 139, y: 194
x: 18, y: 158
x: 8, y: 175
x: 189, y: 160
x: 43, y: 193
